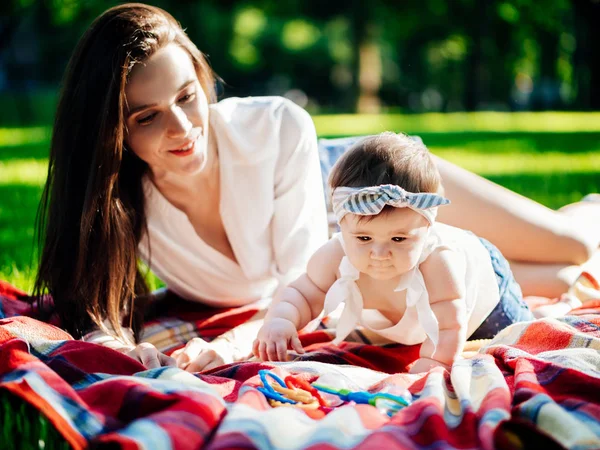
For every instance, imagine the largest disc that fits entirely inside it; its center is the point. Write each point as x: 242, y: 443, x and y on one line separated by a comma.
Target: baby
x: 397, y: 272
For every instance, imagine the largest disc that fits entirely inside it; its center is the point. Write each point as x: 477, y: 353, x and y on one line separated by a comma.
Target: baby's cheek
x: 359, y: 257
x: 407, y: 259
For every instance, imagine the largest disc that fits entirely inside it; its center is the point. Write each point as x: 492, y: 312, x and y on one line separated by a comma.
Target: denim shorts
x: 511, y: 308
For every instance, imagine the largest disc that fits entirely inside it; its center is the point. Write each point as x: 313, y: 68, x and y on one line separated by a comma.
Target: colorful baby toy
x: 297, y: 392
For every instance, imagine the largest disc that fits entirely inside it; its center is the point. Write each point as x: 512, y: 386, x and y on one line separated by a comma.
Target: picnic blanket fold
x: 536, y: 382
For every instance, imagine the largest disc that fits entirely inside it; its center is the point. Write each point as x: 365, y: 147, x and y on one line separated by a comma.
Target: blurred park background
x: 507, y: 88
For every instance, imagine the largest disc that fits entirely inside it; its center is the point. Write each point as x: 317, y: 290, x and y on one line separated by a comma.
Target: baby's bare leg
x: 522, y: 229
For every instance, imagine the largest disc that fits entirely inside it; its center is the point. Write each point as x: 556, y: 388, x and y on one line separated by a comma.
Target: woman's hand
x: 149, y: 356
x: 274, y: 339
x: 425, y: 364
x: 197, y: 356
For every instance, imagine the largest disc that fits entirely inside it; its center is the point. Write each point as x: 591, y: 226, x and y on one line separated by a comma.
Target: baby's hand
x: 274, y: 338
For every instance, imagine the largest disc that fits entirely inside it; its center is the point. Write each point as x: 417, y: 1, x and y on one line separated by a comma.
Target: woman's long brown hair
x: 91, y: 216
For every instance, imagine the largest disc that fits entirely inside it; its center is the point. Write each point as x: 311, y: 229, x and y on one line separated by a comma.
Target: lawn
x: 553, y: 158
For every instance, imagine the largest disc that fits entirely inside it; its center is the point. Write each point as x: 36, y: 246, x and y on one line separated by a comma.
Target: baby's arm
x: 444, y: 276
x: 297, y: 305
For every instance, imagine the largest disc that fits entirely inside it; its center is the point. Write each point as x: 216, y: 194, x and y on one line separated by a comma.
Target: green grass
x: 495, y: 122
x: 553, y: 158
x: 24, y: 428
x: 551, y: 167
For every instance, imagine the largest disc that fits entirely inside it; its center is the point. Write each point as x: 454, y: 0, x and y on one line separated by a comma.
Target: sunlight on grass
x: 23, y: 278
x: 553, y: 158
x: 358, y: 124
x: 488, y: 164
x: 28, y: 172
x: 34, y: 172
x: 27, y: 135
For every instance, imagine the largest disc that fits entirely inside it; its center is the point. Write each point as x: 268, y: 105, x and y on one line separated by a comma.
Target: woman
x: 223, y: 200
x: 231, y: 200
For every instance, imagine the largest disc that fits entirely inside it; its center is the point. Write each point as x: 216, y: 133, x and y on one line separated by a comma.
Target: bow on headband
x: 371, y: 200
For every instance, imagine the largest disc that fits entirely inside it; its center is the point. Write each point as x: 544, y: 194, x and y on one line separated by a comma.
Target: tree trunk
x: 367, y: 59
x: 547, y: 93
x: 476, y: 74
x: 587, y: 54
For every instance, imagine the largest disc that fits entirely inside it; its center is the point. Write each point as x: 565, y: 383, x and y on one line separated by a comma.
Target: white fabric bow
x: 418, y: 297
x: 345, y: 290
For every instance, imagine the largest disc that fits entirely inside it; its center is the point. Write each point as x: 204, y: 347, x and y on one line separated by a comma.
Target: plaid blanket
x: 536, y: 384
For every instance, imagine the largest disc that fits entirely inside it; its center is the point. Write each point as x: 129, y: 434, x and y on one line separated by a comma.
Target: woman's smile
x: 185, y: 150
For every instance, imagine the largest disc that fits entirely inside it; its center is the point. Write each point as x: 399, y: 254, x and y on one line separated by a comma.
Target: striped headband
x: 368, y: 201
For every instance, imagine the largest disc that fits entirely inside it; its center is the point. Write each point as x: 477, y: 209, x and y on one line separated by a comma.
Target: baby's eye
x: 146, y: 119
x: 398, y: 239
x: 363, y: 238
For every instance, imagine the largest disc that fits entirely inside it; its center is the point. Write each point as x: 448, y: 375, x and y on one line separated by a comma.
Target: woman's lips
x: 189, y: 149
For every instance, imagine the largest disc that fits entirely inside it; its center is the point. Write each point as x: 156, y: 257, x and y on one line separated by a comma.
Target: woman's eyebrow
x: 132, y: 111
x: 140, y: 108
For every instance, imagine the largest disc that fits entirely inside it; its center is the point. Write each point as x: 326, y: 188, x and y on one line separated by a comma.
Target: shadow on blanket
x: 536, y: 384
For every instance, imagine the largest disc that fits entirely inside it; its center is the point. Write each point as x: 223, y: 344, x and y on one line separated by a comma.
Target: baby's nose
x: 380, y: 252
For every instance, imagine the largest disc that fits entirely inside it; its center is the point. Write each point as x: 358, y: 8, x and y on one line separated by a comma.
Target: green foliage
x: 435, y: 55
x: 26, y: 108
x: 24, y: 428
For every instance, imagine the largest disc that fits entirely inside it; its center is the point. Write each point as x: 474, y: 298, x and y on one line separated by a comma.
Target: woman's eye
x: 146, y: 119
x: 363, y: 238
x: 398, y: 239
x: 187, y: 98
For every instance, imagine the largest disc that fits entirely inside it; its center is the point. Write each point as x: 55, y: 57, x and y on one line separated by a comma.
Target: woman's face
x: 167, y: 114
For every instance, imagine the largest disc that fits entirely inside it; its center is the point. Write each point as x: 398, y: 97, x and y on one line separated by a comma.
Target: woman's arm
x: 299, y: 225
x: 145, y: 353
x: 498, y: 215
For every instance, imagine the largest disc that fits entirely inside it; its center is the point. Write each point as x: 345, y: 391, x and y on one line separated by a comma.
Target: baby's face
x: 387, y: 246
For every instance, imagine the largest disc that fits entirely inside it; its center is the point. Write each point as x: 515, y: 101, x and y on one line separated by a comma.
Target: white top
x: 272, y: 207
x: 418, y: 322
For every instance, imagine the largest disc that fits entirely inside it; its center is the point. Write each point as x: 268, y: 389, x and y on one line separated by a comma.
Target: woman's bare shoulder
x: 255, y: 129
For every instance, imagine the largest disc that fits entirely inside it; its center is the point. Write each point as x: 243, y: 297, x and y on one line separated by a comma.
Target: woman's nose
x: 179, y: 124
